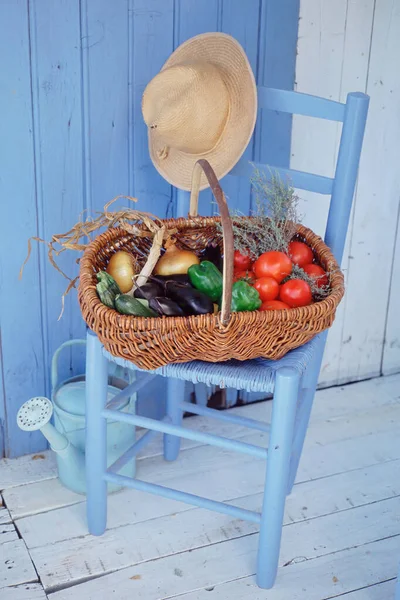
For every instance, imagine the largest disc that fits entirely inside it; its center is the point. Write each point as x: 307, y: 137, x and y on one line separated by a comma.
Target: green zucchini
x: 127, y: 305
x: 107, y: 289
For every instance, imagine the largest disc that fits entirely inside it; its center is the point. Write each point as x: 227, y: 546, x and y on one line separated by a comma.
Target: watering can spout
x: 35, y: 414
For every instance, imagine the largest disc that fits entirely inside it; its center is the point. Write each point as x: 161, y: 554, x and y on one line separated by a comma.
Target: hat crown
x: 187, y: 106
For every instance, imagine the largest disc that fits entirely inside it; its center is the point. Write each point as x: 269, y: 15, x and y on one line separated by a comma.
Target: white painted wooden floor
x: 342, y: 525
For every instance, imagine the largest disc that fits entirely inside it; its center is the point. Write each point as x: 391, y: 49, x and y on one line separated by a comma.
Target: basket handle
x: 227, y: 272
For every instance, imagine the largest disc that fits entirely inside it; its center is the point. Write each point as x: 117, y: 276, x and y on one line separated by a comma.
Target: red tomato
x: 273, y: 305
x: 247, y: 275
x: 267, y: 287
x: 295, y: 292
x: 300, y: 253
x: 317, y: 273
x: 241, y: 262
x: 273, y: 264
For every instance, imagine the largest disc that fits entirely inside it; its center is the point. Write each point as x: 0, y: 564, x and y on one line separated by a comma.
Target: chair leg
x: 96, y: 435
x: 175, y: 394
x: 201, y: 393
x: 307, y: 399
x: 276, y: 481
x: 309, y: 385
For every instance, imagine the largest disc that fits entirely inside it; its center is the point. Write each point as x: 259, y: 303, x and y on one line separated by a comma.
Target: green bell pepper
x: 244, y: 297
x: 206, y: 278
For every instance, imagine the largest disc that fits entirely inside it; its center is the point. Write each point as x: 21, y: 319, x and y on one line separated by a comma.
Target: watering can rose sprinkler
x: 34, y: 415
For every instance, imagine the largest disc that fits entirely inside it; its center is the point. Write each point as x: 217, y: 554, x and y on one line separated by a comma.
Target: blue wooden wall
x: 72, y: 138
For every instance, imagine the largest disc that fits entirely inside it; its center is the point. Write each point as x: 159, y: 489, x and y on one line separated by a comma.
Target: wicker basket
x: 154, y: 342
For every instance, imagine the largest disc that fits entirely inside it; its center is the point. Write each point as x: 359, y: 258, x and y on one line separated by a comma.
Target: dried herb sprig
x: 273, y: 224
x: 277, y: 200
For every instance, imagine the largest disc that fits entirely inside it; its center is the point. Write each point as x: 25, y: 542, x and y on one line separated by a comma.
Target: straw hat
x: 202, y: 104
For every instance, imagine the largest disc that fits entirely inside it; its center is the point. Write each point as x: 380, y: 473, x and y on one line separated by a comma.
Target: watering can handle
x: 54, y: 361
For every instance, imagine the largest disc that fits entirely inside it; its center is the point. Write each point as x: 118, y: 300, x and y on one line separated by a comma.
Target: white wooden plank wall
x: 344, y: 46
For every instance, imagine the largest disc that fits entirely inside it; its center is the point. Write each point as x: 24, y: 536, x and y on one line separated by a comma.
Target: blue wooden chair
x: 292, y: 380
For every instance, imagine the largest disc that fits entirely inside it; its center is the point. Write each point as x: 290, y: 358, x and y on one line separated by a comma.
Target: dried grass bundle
x: 136, y: 222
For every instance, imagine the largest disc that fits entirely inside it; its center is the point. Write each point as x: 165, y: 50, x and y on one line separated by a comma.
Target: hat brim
x: 227, y: 54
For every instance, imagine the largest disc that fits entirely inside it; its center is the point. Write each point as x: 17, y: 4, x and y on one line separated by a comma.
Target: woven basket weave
x: 153, y: 342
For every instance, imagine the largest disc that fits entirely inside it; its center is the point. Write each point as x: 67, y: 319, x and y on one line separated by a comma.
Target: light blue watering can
x: 67, y: 435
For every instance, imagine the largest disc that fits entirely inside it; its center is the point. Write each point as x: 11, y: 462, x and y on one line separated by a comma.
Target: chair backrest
x: 353, y: 115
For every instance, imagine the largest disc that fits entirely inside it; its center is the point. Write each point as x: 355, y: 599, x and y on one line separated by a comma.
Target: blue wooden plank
x: 56, y: 85
x: 244, y: 26
x: 105, y: 54
x: 152, y: 45
x: 20, y: 302
x: 2, y: 405
x: 277, y: 60
x: 192, y: 18
x: 150, y: 42
x: 300, y: 104
x: 111, y: 54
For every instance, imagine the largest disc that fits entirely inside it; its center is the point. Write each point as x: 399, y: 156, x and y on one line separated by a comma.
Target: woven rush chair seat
x: 256, y: 375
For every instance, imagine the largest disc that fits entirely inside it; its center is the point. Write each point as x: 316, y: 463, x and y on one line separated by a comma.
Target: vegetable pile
x: 182, y: 284
x: 273, y: 268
